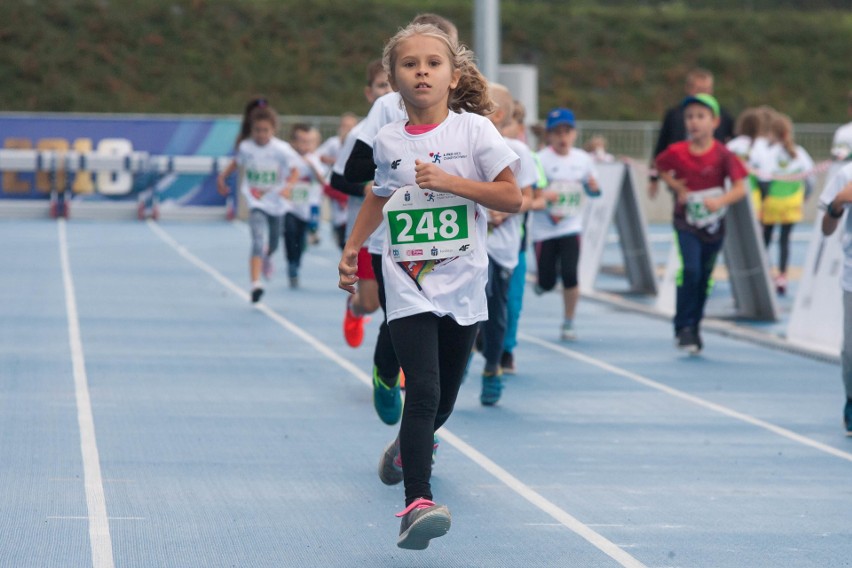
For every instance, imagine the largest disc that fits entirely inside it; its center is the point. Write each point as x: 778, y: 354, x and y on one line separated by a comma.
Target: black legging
x: 783, y: 244
x: 295, y: 230
x: 384, y: 357
x: 433, y: 351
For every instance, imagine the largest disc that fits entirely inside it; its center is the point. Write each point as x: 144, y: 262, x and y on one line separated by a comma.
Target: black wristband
x: 832, y: 213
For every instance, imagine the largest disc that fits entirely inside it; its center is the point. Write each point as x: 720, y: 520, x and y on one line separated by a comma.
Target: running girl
x: 264, y: 160
x: 436, y: 172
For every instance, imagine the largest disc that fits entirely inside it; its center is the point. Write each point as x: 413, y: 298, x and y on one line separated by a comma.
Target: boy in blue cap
x: 696, y: 170
x: 558, y: 212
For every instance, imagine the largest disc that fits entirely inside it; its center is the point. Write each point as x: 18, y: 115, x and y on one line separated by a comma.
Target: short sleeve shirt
x: 840, y: 180
x: 700, y: 172
x: 465, y: 145
x: 577, y: 166
x: 265, y: 172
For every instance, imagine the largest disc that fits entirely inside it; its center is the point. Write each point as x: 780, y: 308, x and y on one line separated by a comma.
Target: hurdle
x: 62, y: 167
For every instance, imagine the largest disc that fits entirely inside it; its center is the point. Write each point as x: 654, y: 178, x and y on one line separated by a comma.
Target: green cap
x: 703, y: 99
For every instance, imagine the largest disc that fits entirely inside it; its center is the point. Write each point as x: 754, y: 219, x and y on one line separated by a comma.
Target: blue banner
x: 117, y: 134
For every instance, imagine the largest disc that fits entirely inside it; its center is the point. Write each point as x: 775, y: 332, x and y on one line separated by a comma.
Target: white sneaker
x: 568, y: 332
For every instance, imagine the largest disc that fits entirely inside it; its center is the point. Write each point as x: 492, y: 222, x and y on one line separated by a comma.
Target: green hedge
x: 607, y: 61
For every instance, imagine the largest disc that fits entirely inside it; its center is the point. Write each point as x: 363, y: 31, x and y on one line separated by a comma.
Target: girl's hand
x: 496, y: 218
x: 430, y: 176
x: 550, y: 196
x: 287, y: 192
x: 222, y: 186
x: 347, y: 269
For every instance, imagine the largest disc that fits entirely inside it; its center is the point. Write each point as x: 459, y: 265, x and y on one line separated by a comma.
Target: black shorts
x: 558, y: 256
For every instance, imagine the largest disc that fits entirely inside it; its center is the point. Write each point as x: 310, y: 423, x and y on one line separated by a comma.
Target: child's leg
x: 494, y: 329
x: 257, y: 222
x: 294, y: 239
x: 454, y: 344
x: 709, y: 254
x: 415, y: 340
x: 767, y: 234
x: 384, y: 356
x: 273, y: 233
x: 516, y: 300
x: 846, y: 354
x: 545, y: 252
x: 569, y: 258
x: 784, y: 248
x: 688, y: 281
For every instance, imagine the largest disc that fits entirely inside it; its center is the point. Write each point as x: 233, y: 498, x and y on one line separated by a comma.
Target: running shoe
x: 294, y: 282
x: 781, y: 284
x: 422, y: 521
x: 688, y: 340
x: 390, y: 466
x: 507, y: 363
x: 492, y: 388
x: 387, y: 400
x: 353, y: 326
x: 256, y: 294
x: 268, y: 268
x: 847, y: 416
x: 568, y: 332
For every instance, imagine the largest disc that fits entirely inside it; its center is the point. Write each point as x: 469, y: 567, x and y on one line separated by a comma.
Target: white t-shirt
x: 832, y: 188
x: 576, y: 167
x: 741, y: 146
x: 330, y: 148
x: 761, y: 159
x: 307, y: 190
x: 353, y: 206
x: 265, y: 172
x: 841, y: 144
x: 386, y: 109
x: 504, y: 240
x: 784, y: 165
x: 465, y: 145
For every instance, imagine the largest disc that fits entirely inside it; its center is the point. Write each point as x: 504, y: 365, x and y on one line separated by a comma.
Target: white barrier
x: 618, y: 201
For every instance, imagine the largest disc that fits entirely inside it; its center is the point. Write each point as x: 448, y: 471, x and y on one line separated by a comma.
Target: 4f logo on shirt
x: 436, y: 157
x: 395, y: 164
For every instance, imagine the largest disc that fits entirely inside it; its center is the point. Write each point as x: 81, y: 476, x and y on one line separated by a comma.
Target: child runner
x: 388, y: 378
x: 835, y: 200
x: 558, y: 218
x: 504, y: 234
x: 301, y: 199
x: 435, y: 174
x: 750, y: 143
x: 518, y: 282
x: 696, y: 170
x: 328, y: 153
x: 792, y: 181
x: 265, y: 161
x: 387, y: 399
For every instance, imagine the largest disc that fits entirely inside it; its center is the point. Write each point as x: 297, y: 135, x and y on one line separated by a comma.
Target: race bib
x: 429, y: 225
x: 570, y: 200
x: 300, y: 194
x: 697, y: 213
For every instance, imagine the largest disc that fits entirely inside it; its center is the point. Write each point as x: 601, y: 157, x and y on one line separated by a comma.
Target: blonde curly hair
x: 471, y: 93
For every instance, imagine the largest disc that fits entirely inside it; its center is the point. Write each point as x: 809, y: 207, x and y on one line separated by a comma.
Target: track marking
x: 783, y: 432
x: 562, y: 517
x: 99, y: 536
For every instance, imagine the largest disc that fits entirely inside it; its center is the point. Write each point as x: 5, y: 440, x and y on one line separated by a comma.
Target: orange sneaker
x: 353, y: 326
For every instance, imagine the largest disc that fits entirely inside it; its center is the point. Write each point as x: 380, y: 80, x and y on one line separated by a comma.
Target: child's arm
x: 678, y: 186
x: 369, y: 218
x: 220, y: 180
x: 830, y: 221
x: 737, y: 192
x: 287, y: 191
x: 502, y: 194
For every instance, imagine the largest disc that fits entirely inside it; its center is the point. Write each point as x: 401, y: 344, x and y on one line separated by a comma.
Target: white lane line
x: 789, y: 434
x: 562, y: 517
x: 99, y: 536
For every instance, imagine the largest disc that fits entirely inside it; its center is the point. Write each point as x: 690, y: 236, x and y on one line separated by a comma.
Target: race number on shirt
x: 300, y: 194
x: 570, y: 198
x: 697, y: 213
x: 429, y: 225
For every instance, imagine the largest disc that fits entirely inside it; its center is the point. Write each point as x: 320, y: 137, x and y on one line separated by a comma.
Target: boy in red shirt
x: 696, y: 170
